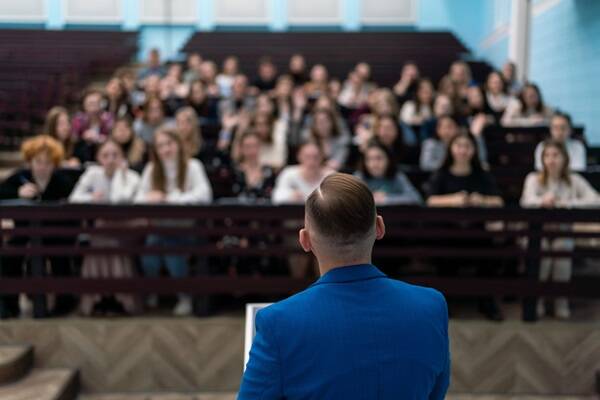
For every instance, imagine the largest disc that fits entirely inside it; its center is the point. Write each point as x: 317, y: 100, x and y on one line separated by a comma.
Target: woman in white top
x: 420, y: 109
x: 556, y: 187
x: 528, y: 110
x: 109, y: 182
x: 171, y: 178
x: 296, y: 182
x: 560, y: 131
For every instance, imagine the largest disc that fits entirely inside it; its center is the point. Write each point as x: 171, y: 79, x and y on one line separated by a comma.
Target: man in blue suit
x: 355, y: 333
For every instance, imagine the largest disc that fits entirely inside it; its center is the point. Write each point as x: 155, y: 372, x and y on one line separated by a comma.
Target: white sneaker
x: 152, y: 301
x: 540, y: 308
x: 183, y: 307
x: 561, y: 308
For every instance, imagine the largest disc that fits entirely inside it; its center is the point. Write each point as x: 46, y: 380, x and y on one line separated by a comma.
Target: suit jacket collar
x: 351, y: 273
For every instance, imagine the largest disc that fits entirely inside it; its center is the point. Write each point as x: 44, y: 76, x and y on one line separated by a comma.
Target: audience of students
x: 251, y: 133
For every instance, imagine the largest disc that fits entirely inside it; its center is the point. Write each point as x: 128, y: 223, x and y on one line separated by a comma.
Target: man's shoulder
x: 416, y: 297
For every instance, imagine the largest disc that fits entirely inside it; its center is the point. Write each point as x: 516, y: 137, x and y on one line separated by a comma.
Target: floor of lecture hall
x: 231, y: 396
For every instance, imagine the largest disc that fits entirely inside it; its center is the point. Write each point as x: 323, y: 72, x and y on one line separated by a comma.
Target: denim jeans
x: 177, y: 265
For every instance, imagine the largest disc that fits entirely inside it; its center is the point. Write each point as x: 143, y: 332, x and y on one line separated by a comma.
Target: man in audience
x: 355, y: 333
x: 153, y: 67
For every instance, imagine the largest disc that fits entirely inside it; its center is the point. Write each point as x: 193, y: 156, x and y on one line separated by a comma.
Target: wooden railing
x: 490, y: 238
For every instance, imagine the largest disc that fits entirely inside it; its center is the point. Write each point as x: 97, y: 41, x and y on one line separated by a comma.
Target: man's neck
x: 327, y: 265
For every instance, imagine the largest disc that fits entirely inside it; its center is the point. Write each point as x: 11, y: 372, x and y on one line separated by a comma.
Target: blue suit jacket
x: 354, y: 334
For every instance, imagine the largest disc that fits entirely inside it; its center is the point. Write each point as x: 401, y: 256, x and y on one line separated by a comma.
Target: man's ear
x: 379, y: 228
x: 304, y: 239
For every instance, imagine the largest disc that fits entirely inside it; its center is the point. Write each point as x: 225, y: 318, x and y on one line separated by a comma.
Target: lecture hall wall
x: 565, y: 34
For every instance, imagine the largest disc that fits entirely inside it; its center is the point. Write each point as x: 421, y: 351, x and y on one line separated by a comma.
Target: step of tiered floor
x: 15, y: 362
x: 18, y: 381
x: 43, y: 384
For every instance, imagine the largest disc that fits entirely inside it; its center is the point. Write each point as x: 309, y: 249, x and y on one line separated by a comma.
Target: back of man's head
x: 341, y: 211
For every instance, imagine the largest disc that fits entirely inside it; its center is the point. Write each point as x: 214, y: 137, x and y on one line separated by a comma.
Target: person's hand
x: 460, y: 199
x: 156, y: 196
x: 478, y: 124
x: 548, y: 200
x: 71, y: 163
x: 28, y: 191
x: 244, y: 120
x: 334, y: 164
x: 297, y: 196
x: 98, y: 195
x: 379, y: 197
x: 91, y: 135
x: 476, y: 200
x: 213, y: 90
x: 229, y: 121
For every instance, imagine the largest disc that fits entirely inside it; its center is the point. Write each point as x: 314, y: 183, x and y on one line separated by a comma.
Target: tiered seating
x: 339, y: 51
x: 42, y: 68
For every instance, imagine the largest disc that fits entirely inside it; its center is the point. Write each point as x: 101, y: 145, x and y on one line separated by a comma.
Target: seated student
x: 434, y: 150
x: 282, y: 96
x: 324, y: 130
x: 555, y: 186
x: 253, y: 179
x: 188, y: 129
x: 327, y: 103
x: 173, y: 91
x: 58, y: 126
x: 355, y: 91
x: 267, y: 75
x: 273, y: 140
x: 153, y: 116
x: 92, y: 125
x: 318, y: 83
x: 495, y: 93
x: 117, y: 98
x: 40, y: 181
x: 442, y: 106
x: 460, y: 75
x: 109, y: 182
x: 560, y: 131
x: 509, y: 75
x: 478, y: 113
x: 171, y: 178
x: 420, y: 108
x: 297, y: 69
x: 406, y: 88
x: 296, y: 182
x: 134, y: 148
x: 192, y: 71
x: 208, y: 74
x: 461, y: 181
x: 240, y: 99
x: 528, y: 110
x: 153, y: 66
x: 380, y: 173
x: 225, y: 79
x: 204, y: 105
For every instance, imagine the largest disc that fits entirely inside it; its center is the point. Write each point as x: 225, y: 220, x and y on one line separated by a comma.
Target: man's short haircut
x: 342, y: 209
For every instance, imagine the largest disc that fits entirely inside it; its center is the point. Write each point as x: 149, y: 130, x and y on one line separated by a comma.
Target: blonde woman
x: 555, y: 186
